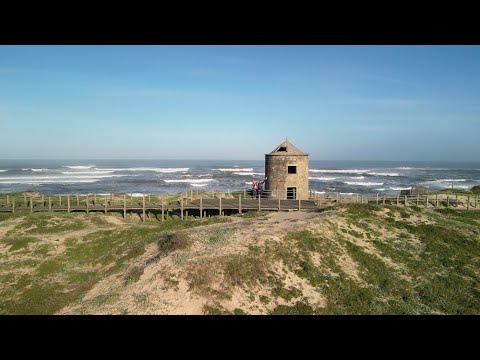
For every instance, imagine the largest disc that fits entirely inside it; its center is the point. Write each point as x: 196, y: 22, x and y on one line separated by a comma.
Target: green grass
x: 409, y: 267
x: 254, y: 214
x: 63, y: 278
x: 300, y: 308
x: 220, y: 235
x: 18, y: 242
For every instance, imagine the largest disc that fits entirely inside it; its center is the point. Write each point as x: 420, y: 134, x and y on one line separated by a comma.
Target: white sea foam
x: 363, y: 183
x: 191, y: 181
x: 398, y: 188
x: 54, y: 179
x: 455, y: 187
x: 35, y: 182
x: 381, y: 189
x: 80, y: 167
x: 319, y: 192
x: 248, y: 173
x: 235, y: 169
x: 87, y: 172
x: 159, y: 170
x: 420, y: 168
x: 448, y: 180
x: 38, y: 170
x: 343, y: 171
x: 3, y: 170
x: 384, y: 174
x: 347, y: 193
x: 321, y: 178
x: 136, y: 195
x: 199, y: 185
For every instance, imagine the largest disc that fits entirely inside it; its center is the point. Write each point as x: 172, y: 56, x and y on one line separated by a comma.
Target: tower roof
x: 286, y: 148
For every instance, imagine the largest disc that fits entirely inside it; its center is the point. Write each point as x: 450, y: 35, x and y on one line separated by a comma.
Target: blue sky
x: 239, y: 102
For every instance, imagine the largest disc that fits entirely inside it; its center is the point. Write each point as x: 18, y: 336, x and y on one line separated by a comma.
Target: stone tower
x: 286, y: 168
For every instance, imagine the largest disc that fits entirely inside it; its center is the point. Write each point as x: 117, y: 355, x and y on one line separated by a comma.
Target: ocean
x: 172, y: 176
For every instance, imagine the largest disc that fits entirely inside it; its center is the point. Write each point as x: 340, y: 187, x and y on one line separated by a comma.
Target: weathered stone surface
x: 276, y: 170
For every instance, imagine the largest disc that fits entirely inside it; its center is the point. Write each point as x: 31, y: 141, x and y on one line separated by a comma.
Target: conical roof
x: 286, y: 148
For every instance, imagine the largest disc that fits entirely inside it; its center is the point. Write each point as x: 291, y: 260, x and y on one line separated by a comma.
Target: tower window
x: 292, y: 169
x: 282, y: 148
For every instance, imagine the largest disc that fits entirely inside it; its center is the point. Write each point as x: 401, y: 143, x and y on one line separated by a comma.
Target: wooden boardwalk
x: 194, y: 207
x: 201, y: 206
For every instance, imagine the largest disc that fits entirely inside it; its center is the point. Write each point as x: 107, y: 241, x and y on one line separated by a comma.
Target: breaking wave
x: 363, y: 183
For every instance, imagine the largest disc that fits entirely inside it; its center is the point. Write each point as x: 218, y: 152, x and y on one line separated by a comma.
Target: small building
x: 286, y: 169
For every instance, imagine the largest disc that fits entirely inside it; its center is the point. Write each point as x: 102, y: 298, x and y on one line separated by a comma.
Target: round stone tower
x: 286, y: 169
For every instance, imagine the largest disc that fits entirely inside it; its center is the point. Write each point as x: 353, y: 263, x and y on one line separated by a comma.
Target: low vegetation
x: 352, y: 259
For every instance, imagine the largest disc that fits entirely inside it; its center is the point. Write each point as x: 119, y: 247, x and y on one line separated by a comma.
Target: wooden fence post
x: 436, y: 200
x: 143, y: 200
x: 476, y: 196
x: 31, y: 204
x: 163, y: 211
x: 240, y: 204
x: 299, y: 204
x: 106, y: 200
x: 426, y: 202
x: 259, y: 205
x: 43, y: 200
x: 49, y: 204
x: 68, y: 203
x: 78, y: 200
x: 25, y: 200
x: 383, y: 199
x: 181, y: 208
x: 220, y: 205
x: 405, y: 200
x: 87, y: 204
x: 398, y: 198
x: 448, y: 201
x: 124, y: 206
x: 149, y: 198
x: 191, y: 195
x: 468, y: 202
x: 418, y: 198
x: 7, y: 200
x: 201, y: 207
x: 13, y: 204
x: 245, y: 193
x: 337, y: 199
x: 278, y: 204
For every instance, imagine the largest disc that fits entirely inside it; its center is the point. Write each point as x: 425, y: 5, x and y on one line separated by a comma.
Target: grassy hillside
x: 352, y: 259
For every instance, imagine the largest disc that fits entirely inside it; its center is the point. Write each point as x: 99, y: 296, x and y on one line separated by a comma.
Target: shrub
x: 174, y: 241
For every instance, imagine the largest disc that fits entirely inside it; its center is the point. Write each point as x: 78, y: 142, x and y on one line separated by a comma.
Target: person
x: 255, y: 189
x: 261, y: 186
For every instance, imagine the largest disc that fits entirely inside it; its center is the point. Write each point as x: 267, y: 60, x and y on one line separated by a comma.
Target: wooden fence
x: 206, y: 203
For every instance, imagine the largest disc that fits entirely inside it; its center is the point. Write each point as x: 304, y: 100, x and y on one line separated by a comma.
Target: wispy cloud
x: 234, y: 60
x: 388, y: 101
x: 128, y: 91
x: 384, y: 78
